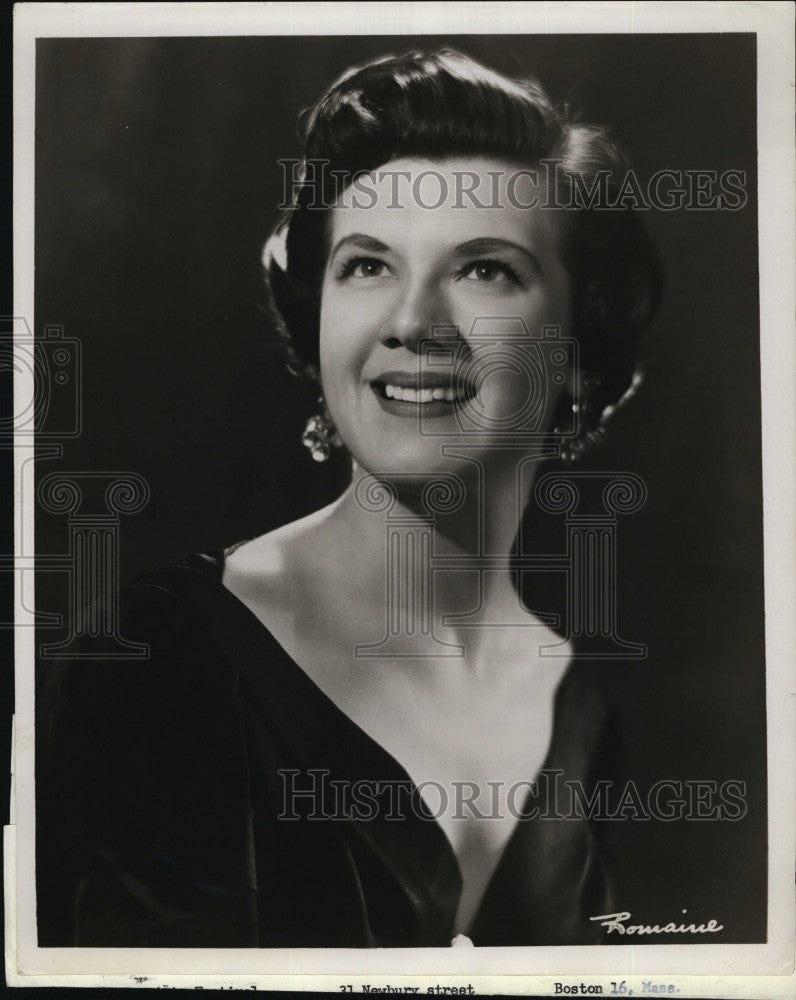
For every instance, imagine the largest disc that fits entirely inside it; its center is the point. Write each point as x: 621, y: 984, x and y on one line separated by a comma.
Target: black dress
x: 163, y: 818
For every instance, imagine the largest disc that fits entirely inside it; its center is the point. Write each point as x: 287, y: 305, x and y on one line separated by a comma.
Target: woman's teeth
x: 420, y: 395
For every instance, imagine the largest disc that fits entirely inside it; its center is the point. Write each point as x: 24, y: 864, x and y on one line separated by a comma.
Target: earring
x: 320, y: 435
x: 590, y: 431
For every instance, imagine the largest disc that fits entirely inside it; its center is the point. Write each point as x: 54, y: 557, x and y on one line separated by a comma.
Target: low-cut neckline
x: 432, y: 868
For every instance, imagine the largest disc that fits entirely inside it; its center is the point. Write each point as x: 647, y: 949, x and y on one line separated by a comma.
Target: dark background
x: 157, y: 182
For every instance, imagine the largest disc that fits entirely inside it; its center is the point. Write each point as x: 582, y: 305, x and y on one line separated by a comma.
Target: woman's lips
x: 424, y: 395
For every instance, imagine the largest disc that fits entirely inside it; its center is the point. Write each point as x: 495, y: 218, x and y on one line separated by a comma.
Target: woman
x: 336, y: 737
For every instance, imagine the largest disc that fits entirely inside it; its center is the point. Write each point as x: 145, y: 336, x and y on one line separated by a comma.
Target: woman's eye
x: 493, y: 271
x: 363, y: 267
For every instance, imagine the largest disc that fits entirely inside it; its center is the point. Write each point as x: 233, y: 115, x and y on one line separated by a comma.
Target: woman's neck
x: 376, y: 523
x: 470, y: 516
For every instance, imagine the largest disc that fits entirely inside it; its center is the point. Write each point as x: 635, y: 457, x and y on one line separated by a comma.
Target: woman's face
x: 481, y: 277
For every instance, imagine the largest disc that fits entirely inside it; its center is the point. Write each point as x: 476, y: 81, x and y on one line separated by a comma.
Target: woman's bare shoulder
x: 278, y: 565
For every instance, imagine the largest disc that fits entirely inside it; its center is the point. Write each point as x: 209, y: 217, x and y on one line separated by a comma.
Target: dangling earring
x: 590, y: 431
x: 320, y: 435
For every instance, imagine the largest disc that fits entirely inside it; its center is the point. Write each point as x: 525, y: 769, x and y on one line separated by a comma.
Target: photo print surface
x: 399, y: 493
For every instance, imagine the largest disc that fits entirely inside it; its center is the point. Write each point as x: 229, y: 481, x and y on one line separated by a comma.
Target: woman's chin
x: 413, y: 467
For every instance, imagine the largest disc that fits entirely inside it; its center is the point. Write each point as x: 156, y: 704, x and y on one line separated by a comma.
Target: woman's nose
x: 417, y: 310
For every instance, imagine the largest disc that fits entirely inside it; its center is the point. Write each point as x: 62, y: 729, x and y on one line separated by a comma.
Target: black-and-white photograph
x: 396, y: 455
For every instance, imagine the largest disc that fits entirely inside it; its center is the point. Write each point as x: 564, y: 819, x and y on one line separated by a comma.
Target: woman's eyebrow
x: 491, y: 244
x: 362, y: 242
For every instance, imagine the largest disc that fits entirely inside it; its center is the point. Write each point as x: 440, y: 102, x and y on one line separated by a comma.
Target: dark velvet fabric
x: 161, y: 782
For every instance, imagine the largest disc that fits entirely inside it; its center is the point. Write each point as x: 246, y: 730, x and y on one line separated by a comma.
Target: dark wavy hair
x: 445, y: 104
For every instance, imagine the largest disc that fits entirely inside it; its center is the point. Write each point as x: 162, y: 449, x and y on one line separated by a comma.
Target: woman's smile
x: 421, y: 395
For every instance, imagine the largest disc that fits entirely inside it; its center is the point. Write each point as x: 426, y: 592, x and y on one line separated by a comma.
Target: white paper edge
x: 774, y: 24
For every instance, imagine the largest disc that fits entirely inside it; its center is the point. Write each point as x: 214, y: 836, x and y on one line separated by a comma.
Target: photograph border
x: 695, y: 969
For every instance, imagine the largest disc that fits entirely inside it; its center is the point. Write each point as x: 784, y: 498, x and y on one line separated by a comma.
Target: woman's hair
x: 445, y: 104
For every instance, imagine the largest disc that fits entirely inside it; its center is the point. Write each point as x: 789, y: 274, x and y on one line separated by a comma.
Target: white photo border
x: 697, y: 970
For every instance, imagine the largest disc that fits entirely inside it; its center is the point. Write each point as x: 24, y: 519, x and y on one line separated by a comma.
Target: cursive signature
x: 618, y: 922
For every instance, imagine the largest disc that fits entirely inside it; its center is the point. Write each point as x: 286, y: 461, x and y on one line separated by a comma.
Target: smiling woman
x: 345, y: 729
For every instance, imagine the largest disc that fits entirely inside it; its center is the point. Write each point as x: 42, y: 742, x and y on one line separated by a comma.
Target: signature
x: 618, y: 922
